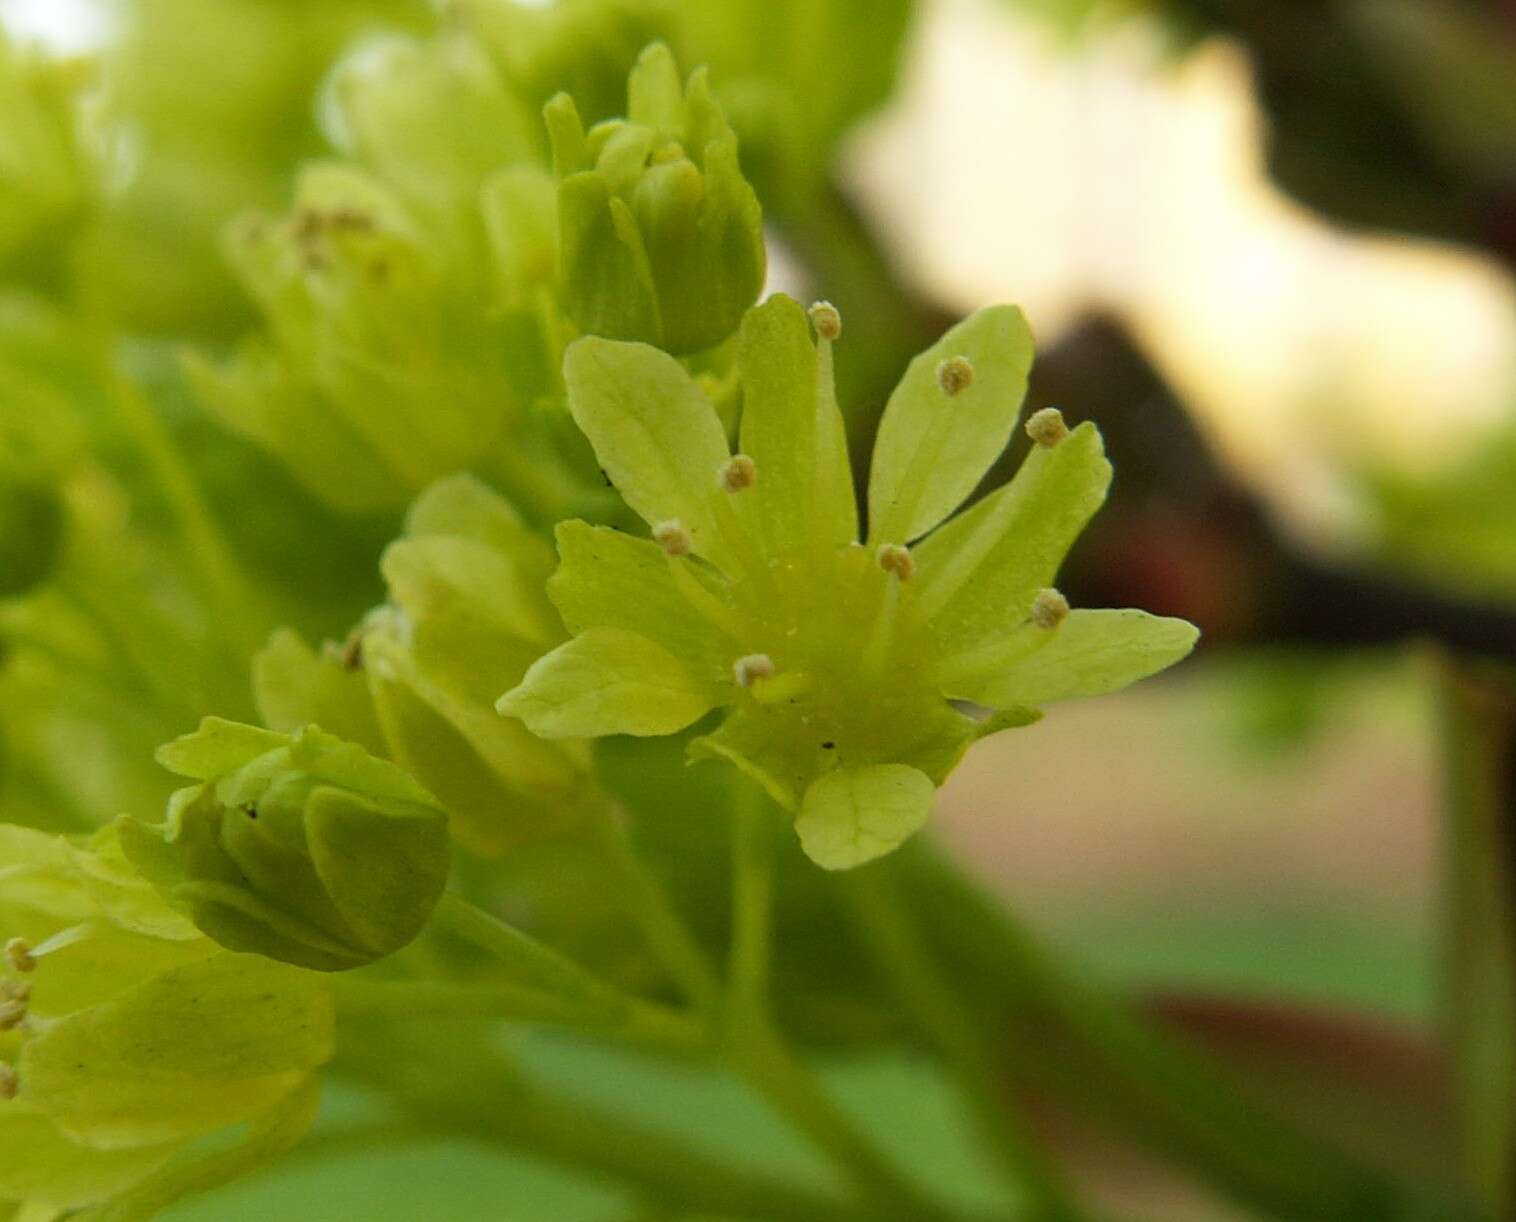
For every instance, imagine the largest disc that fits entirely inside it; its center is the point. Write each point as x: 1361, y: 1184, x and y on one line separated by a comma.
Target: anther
x: 826, y: 320
x: 10, y: 1084
x: 1046, y: 427
x: 897, y: 559
x: 19, y: 955
x: 1049, y: 609
x: 738, y: 473
x: 16, y: 990
x: 672, y: 151
x: 673, y: 538
x: 12, y: 1014
x: 955, y: 374
x: 750, y: 669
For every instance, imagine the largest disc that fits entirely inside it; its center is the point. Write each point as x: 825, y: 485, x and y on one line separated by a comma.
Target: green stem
x: 648, y: 903
x: 1477, y: 719
x: 756, y: 1048
x: 887, y: 929
x: 630, y: 1019
x: 752, y: 902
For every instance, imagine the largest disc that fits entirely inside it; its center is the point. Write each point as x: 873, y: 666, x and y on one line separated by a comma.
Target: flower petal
x: 608, y: 681
x: 609, y: 579
x: 202, y: 1045
x: 854, y: 815
x: 792, y: 429
x: 1089, y: 654
x: 976, y: 578
x: 934, y: 447
x: 654, y: 432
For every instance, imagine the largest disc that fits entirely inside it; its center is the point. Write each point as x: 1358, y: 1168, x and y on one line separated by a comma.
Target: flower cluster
x: 852, y: 669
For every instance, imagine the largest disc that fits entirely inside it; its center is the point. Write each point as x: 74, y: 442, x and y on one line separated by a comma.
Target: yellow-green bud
x: 302, y: 847
x: 662, y: 236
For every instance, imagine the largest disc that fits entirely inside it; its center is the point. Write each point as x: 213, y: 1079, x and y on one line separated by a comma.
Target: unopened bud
x: 955, y: 374
x: 19, y: 955
x: 826, y: 320
x: 10, y: 1084
x: 1049, y: 609
x: 752, y: 668
x: 673, y: 538
x: 1046, y: 427
x: 897, y: 559
x: 739, y: 473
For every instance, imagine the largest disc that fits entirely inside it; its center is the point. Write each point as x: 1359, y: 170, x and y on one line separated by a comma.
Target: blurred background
x: 1270, y: 248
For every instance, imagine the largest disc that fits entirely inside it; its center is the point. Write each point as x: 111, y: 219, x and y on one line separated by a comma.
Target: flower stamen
x: 748, y: 670
x: 896, y: 559
x: 737, y: 473
x: 672, y: 537
x: 1047, y: 427
x: 1049, y: 609
x: 827, y: 320
x: 19, y: 955
x: 955, y: 375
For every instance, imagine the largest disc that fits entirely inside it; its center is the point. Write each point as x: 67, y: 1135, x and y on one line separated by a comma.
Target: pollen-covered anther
x: 673, y: 538
x: 738, y: 473
x: 19, y: 955
x: 1049, y: 609
x: 826, y: 320
x: 10, y: 1083
x: 750, y: 669
x: 897, y: 559
x: 1047, y: 427
x: 955, y: 375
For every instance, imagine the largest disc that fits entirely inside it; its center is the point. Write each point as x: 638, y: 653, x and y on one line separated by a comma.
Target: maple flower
x: 852, y: 671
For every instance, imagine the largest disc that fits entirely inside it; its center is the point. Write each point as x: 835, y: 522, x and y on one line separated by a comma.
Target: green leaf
x: 854, y: 815
x: 792, y: 430
x: 783, y: 763
x: 204, y: 1045
x: 609, y: 579
x: 1089, y: 654
x: 608, y: 681
x: 654, y: 432
x: 976, y: 577
x: 933, y: 447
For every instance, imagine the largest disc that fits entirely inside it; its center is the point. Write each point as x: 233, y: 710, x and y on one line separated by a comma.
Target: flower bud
x: 662, y: 236
x: 302, y: 847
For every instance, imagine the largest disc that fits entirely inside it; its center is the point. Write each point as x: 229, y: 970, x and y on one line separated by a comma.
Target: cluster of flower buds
x: 662, y: 236
x: 416, y: 682
x: 125, y: 1035
x: 302, y: 847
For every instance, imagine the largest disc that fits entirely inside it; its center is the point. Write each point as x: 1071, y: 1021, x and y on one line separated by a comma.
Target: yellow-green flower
x: 124, y: 1033
x: 852, y: 670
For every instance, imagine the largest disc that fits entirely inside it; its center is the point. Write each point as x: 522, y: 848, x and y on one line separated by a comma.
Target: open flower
x: 125, y: 1035
x: 853, y: 674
